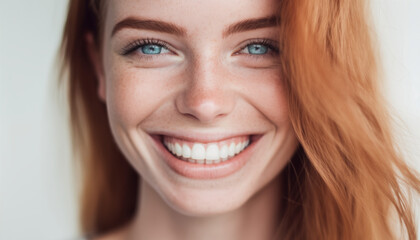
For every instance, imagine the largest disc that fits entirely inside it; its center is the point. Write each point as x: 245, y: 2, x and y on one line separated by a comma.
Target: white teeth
x: 212, y: 152
x: 238, y: 148
x: 198, y: 152
x: 205, y: 153
x: 224, y: 151
x: 178, y: 150
x: 232, y: 150
x: 186, y: 151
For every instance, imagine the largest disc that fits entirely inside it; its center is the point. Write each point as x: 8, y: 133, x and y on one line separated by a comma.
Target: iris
x: 257, y: 49
x: 151, y: 49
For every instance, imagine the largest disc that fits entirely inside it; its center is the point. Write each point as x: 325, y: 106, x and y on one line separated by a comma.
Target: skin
x: 206, y: 84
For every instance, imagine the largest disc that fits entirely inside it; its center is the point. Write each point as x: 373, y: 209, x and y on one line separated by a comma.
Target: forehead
x: 193, y: 15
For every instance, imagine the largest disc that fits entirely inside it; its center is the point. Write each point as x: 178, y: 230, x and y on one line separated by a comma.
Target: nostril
x: 189, y: 115
x: 205, y: 107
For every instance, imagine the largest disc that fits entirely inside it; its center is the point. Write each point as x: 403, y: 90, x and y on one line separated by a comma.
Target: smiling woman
x: 235, y: 119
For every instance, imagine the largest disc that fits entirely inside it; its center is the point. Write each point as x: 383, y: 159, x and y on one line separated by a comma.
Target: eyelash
x: 266, y: 42
x: 133, y: 46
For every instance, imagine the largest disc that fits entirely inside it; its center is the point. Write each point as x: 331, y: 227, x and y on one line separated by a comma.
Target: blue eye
x: 260, y: 48
x: 151, y: 49
x: 257, y: 49
x: 146, y: 47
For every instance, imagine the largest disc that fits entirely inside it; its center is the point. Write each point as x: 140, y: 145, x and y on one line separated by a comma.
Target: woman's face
x: 195, y: 98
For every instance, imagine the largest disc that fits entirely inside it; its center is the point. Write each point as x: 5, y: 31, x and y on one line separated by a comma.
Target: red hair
x: 345, y: 180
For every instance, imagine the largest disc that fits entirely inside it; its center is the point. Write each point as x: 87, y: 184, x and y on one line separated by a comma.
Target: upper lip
x: 203, y: 137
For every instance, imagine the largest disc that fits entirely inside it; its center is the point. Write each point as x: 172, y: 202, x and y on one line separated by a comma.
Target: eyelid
x: 273, y: 45
x: 136, y: 44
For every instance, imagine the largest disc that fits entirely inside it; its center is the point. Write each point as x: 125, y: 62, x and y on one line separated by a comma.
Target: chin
x: 199, y: 205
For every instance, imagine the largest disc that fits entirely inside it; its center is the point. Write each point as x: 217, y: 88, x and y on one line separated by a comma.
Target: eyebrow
x: 251, y: 24
x: 160, y: 26
x: 154, y: 25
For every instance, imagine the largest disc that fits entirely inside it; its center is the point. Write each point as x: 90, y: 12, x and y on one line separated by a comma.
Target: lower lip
x: 204, y: 171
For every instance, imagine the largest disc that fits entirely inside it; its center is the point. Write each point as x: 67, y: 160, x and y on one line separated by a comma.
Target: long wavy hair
x: 346, y: 180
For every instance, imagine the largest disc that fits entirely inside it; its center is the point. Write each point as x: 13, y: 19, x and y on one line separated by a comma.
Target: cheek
x: 275, y: 106
x: 266, y: 92
x: 133, y: 94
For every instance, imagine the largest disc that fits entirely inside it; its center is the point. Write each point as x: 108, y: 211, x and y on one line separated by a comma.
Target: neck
x: 258, y: 218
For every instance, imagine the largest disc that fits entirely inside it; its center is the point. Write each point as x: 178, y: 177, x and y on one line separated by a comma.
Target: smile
x: 203, y: 158
x: 206, y: 153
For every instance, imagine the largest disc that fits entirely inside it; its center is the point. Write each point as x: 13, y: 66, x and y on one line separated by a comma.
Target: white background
x: 37, y: 181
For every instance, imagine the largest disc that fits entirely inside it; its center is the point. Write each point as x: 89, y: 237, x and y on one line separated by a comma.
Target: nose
x: 207, y: 96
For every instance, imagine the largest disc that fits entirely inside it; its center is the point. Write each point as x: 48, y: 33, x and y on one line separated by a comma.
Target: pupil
x: 151, y: 49
x: 257, y: 49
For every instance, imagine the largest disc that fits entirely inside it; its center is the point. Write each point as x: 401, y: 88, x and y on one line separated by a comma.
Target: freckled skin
x: 201, y: 86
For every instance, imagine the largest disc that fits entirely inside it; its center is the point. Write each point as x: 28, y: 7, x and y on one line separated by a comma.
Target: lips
x: 197, y: 159
x: 206, y: 153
